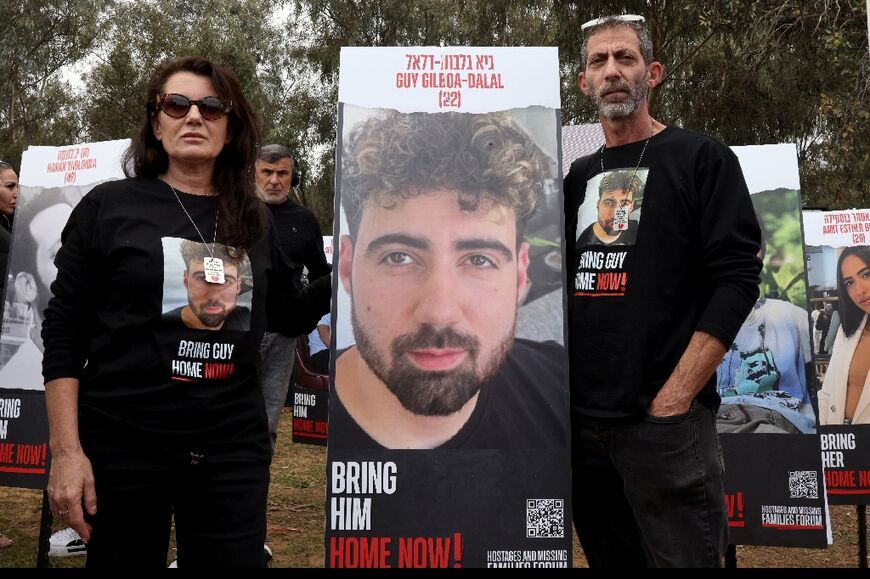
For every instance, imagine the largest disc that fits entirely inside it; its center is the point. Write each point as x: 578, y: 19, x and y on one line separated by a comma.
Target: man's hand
x: 670, y: 402
x: 696, y: 365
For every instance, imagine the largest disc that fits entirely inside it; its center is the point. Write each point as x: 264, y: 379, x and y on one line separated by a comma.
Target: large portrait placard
x: 838, y: 261
x: 767, y: 379
x: 448, y: 415
x: 53, y: 181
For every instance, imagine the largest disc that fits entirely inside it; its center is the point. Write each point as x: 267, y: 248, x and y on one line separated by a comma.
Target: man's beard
x: 428, y: 392
x: 211, y: 320
x: 620, y: 109
x: 273, y: 196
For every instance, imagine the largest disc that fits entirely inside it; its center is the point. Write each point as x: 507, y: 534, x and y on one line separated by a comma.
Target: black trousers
x: 217, y: 495
x: 649, y: 493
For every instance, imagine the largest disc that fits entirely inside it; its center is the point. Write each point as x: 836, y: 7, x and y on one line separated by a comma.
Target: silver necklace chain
x: 633, y: 175
x: 216, y: 215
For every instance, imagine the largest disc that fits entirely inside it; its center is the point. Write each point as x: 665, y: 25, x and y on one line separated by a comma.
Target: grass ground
x: 296, y: 514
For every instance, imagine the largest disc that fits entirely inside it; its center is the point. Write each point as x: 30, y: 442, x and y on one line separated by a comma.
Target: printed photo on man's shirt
x: 206, y: 286
x: 610, y: 215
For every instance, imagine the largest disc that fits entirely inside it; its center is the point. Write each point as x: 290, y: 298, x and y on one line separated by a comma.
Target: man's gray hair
x: 274, y: 153
x: 610, y: 22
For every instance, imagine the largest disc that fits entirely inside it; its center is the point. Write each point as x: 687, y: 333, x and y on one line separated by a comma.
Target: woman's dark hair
x: 242, y: 213
x: 850, y: 314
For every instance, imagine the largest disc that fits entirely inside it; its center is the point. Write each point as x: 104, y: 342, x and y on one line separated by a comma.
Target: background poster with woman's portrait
x: 53, y: 181
x: 838, y: 265
x: 448, y: 412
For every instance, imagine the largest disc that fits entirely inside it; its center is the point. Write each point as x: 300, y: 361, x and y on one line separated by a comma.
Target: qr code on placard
x: 803, y: 484
x: 545, y: 518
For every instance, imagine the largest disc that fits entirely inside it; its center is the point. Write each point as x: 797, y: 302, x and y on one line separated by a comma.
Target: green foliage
x: 798, y: 73
x: 39, y: 38
x: 747, y: 71
x: 237, y: 34
x: 784, y: 273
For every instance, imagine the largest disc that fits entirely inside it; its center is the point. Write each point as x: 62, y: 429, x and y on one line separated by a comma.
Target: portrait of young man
x: 209, y: 304
x: 617, y: 199
x: 435, y: 264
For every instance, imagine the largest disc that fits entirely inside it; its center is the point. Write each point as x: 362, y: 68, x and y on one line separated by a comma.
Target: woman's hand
x: 70, y: 488
x: 71, y: 480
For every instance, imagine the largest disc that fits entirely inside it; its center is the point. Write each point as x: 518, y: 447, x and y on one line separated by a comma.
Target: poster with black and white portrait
x: 53, y: 181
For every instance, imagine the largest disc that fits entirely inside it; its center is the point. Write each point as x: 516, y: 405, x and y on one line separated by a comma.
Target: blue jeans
x: 277, y: 355
x: 649, y: 493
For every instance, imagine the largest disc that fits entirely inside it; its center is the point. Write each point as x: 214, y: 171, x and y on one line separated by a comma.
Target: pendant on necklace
x: 214, y: 270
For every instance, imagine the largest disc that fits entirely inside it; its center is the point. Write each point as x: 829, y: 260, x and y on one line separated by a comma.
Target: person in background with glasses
x: 616, y: 201
x: 149, y: 420
x: 649, y: 322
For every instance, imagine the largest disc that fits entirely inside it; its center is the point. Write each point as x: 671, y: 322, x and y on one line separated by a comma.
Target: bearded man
x: 436, y: 264
x: 650, y: 317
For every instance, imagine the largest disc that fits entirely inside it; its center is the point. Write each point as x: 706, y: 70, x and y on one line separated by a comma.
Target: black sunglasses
x: 177, y: 106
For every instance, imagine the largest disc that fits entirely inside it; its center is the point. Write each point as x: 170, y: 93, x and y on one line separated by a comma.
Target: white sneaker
x: 66, y: 543
x: 173, y: 565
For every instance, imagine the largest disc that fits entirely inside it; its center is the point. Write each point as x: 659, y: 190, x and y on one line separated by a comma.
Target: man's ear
x: 522, y: 272
x: 185, y: 280
x: 655, y: 74
x: 581, y: 82
x: 345, y: 261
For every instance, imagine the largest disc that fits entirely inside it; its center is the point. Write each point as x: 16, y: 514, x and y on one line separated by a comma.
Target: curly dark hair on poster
x: 482, y: 157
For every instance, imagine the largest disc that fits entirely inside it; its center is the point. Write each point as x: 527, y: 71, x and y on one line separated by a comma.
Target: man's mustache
x: 609, y: 86
x: 428, y: 337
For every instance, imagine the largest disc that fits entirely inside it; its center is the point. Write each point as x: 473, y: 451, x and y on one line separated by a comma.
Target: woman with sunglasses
x: 150, y: 418
x: 845, y: 394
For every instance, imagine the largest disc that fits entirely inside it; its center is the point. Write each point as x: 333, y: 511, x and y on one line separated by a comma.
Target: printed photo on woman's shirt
x: 206, y: 286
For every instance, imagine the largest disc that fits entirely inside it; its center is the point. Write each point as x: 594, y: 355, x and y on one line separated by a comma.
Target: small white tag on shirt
x: 214, y: 270
x: 620, y: 219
